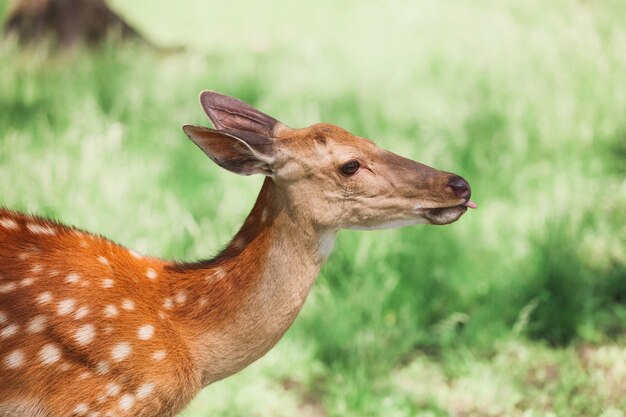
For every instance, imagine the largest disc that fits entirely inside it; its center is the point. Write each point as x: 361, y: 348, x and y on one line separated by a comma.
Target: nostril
x: 460, y: 187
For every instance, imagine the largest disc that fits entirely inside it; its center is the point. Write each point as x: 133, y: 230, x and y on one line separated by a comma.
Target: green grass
x: 519, y: 309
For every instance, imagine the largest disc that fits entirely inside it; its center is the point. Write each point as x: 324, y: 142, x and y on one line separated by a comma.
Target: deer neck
x: 236, y: 306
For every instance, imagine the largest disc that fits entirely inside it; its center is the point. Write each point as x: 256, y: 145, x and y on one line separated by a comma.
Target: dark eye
x: 350, y: 168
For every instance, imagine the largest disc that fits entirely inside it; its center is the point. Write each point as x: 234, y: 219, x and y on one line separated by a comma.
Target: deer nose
x: 460, y: 187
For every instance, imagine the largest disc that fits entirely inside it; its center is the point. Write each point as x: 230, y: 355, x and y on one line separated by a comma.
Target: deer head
x: 333, y: 178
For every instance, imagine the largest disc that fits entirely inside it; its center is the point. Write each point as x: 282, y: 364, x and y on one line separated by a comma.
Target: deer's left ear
x: 230, y: 113
x: 241, y: 152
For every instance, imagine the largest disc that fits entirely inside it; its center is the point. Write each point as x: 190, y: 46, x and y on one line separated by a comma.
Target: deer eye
x: 350, y: 168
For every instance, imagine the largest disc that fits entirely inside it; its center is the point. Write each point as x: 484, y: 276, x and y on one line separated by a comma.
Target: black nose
x: 460, y: 187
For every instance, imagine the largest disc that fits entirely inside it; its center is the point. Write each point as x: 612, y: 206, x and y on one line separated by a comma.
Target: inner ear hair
x: 256, y: 142
x: 241, y: 152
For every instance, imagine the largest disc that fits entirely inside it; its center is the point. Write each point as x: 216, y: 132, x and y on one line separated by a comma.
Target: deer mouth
x: 447, y: 215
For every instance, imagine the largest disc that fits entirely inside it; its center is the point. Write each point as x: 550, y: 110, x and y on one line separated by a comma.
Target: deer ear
x: 229, y: 113
x: 241, y: 152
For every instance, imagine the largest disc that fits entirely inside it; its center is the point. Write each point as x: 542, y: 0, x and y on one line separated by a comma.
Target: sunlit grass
x: 526, y: 99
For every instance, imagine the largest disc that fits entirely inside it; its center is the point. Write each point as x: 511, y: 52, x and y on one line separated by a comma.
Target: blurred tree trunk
x: 65, y: 21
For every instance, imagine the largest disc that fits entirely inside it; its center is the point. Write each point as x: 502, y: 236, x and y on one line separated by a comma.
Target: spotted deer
x: 90, y: 328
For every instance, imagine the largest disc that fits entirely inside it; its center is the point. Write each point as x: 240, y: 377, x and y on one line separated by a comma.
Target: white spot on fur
x: 159, y: 355
x: 168, y: 303
x: 37, y: 324
x: 85, y: 334
x: 135, y: 254
x: 9, y: 331
x: 14, y: 359
x: 8, y: 223
x: 120, y: 351
x: 84, y: 375
x: 8, y: 287
x: 44, y: 298
x: 145, y: 332
x: 107, y: 283
x: 26, y: 282
x: 126, y: 402
x: 151, y: 273
x: 110, y: 311
x: 81, y: 409
x: 181, y: 297
x: 66, y: 306
x: 202, y: 301
x: 3, y: 317
x: 94, y: 414
x: 128, y: 305
x: 49, y: 354
x: 113, y: 389
x: 103, y: 260
x: 72, y: 278
x: 81, y: 313
x: 36, y: 268
x: 39, y: 229
x: 145, y: 390
x: 264, y: 215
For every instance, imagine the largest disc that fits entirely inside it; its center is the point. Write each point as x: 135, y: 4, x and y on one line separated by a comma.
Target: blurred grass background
x: 519, y: 309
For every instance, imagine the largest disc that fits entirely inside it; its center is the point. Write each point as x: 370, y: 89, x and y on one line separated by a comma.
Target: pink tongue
x: 470, y: 204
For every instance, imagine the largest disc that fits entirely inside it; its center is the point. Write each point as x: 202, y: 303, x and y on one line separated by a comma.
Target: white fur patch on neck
x: 327, y: 243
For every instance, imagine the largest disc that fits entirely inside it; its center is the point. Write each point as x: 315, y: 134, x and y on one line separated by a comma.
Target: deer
x: 91, y: 328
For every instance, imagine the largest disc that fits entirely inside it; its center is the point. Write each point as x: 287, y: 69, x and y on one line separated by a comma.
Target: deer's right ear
x: 241, y: 152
